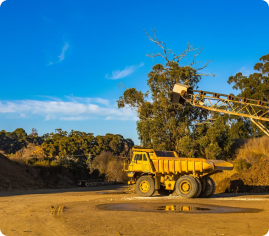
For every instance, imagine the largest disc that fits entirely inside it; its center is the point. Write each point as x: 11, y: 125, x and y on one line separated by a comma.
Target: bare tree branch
x: 205, y: 65
x: 121, y: 85
x: 184, y: 53
x: 176, y: 58
x: 161, y: 44
x: 156, y: 55
x: 195, y: 55
x: 202, y: 74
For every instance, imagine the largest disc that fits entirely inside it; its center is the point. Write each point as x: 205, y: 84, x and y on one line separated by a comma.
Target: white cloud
x: 246, y: 71
x: 64, y: 49
x: 118, y: 74
x: 49, y: 97
x: 101, y: 101
x: 89, y: 100
x: 74, y: 109
x: 61, y: 57
x: 74, y: 118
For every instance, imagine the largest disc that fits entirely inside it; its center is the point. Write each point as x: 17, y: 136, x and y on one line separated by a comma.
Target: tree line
x: 61, y: 144
x: 78, y: 155
x: 11, y: 142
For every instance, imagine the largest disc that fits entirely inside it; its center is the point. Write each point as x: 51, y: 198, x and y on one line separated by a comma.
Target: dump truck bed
x: 189, y: 165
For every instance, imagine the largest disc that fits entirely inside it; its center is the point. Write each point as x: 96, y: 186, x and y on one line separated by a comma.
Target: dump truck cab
x: 141, y: 162
x: 165, y: 172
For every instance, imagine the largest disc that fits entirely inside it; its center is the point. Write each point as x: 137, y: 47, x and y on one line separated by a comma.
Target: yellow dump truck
x: 152, y: 170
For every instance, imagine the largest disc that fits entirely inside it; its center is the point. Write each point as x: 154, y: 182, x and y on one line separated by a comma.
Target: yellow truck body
x: 165, y: 169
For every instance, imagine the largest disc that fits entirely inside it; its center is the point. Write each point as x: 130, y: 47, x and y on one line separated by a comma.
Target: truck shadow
x: 236, y: 189
x: 116, y: 187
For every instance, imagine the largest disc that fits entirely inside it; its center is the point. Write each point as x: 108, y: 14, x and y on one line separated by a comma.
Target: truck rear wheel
x: 199, y: 190
x: 209, y: 189
x: 187, y: 186
x: 145, y: 186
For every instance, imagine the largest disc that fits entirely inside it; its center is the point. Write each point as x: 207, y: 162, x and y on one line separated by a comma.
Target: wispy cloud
x: 73, y: 109
x: 89, y: 100
x: 49, y: 97
x: 246, y: 71
x: 64, y: 49
x: 118, y: 74
x: 74, y: 118
x: 61, y: 57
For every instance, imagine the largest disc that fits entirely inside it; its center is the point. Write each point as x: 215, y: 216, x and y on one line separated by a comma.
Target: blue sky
x: 61, y: 62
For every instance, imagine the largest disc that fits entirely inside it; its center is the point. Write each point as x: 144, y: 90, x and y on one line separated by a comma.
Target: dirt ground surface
x: 108, y: 210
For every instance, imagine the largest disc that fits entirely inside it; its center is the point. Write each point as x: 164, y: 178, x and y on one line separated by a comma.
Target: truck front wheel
x: 145, y: 186
x: 187, y: 187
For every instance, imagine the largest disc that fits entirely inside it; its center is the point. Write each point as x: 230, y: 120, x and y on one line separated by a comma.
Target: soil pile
x: 14, y: 176
x: 254, y: 179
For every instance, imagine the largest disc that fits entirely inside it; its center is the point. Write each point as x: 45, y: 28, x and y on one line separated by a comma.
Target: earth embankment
x: 254, y: 179
x: 14, y: 176
x: 19, y: 176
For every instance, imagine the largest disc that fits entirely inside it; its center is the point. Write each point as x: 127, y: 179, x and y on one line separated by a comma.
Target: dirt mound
x: 14, y: 176
x: 19, y: 176
x: 255, y: 179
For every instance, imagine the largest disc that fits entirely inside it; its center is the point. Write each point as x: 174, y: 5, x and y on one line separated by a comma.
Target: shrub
x: 254, y: 149
x: 109, y: 165
x: 241, y: 164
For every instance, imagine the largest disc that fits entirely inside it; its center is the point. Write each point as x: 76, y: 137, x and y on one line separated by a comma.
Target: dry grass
x: 247, y: 152
x: 23, y: 154
x: 111, y: 166
x: 254, y: 149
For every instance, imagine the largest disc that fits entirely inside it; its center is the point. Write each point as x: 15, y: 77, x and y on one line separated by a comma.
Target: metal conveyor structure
x: 256, y: 110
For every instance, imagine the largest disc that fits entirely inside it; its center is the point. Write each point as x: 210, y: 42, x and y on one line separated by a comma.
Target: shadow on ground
x: 119, y: 188
x: 67, y: 190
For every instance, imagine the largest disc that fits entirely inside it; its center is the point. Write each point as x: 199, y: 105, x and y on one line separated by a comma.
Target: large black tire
x: 145, y: 186
x: 199, y: 187
x: 186, y: 186
x: 209, y: 188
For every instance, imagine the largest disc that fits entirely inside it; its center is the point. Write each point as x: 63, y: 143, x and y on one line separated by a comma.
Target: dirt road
x: 107, y: 211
